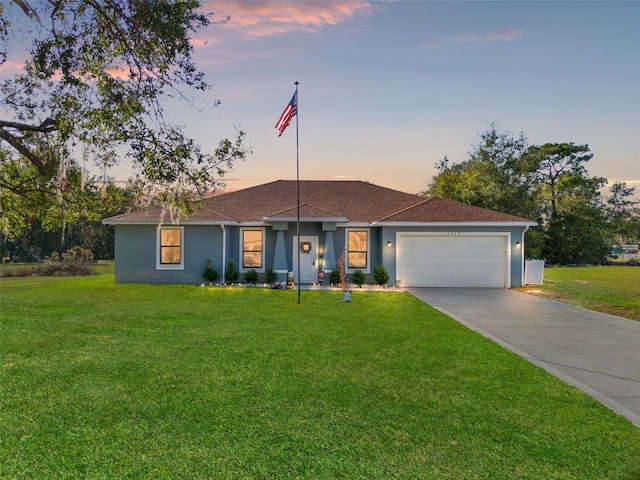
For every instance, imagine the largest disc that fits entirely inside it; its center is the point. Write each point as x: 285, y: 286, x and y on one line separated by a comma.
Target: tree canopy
x: 93, y: 83
x: 547, y: 183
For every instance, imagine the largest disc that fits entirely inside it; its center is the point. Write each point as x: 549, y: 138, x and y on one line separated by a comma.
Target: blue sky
x: 389, y: 88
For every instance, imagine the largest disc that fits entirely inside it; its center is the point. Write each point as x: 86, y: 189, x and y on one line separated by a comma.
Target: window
x: 357, y: 249
x: 170, y: 254
x: 252, y: 248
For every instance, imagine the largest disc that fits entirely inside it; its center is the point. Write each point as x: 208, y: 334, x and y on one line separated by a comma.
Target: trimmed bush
x: 380, y: 275
x: 231, y: 274
x: 358, y: 277
x: 251, y: 277
x: 209, y: 273
x: 271, y: 275
x: 334, y: 277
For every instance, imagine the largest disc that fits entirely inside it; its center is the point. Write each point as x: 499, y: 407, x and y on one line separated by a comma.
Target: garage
x: 453, y: 260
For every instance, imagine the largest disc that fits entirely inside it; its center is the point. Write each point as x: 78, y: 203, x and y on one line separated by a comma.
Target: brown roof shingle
x: 357, y: 201
x: 440, y: 210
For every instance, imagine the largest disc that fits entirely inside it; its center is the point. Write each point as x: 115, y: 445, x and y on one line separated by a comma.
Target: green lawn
x: 100, y: 380
x: 610, y: 289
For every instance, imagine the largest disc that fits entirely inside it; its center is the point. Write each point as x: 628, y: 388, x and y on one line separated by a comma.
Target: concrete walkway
x: 596, y: 352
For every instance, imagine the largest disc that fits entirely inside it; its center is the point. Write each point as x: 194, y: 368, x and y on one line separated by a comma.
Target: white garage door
x: 452, y: 260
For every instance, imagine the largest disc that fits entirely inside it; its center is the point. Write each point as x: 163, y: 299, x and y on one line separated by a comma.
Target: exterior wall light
x: 517, y: 244
x: 389, y: 244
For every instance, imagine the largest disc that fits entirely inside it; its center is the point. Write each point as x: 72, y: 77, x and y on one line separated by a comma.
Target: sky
x: 388, y: 88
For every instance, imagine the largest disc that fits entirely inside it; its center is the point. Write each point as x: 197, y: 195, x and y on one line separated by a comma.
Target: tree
x: 95, y: 81
x: 33, y: 226
x: 548, y: 183
x: 495, y: 176
x: 623, y: 214
x: 492, y: 177
x: 27, y: 195
x: 570, y: 205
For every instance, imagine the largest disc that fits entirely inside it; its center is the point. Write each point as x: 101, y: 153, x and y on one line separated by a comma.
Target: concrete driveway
x: 596, y: 352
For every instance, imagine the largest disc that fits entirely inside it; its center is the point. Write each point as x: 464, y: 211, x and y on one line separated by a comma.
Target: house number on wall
x: 453, y: 233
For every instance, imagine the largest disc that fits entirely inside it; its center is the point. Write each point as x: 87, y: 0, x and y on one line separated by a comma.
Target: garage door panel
x: 452, y: 260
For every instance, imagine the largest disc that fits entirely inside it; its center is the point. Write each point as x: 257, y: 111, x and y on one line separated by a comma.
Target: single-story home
x: 421, y: 241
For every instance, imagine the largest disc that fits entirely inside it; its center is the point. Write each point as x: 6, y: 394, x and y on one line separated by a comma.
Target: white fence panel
x: 533, y: 272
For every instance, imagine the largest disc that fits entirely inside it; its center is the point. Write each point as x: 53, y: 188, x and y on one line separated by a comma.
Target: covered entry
x: 453, y: 260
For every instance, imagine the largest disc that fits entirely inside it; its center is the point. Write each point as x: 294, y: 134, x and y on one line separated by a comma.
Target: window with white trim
x: 252, y: 249
x: 357, y: 249
x: 170, y: 248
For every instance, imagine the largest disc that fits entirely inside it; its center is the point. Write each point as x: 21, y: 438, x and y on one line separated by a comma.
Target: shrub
x: 271, y: 275
x: 77, y: 255
x: 251, y: 277
x: 57, y: 269
x: 55, y: 257
x: 63, y: 270
x: 380, y: 275
x: 334, y: 277
x: 231, y: 274
x: 358, y: 277
x: 209, y: 273
x: 49, y: 269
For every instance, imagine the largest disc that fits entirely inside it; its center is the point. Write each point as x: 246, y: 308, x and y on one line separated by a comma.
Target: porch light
x: 389, y: 244
x: 517, y: 244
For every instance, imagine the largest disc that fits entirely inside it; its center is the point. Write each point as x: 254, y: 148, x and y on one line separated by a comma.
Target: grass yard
x: 608, y: 289
x: 100, y: 380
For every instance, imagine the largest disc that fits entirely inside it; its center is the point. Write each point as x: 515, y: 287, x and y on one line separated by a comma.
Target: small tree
x: 380, y: 275
x: 358, y: 277
x: 342, y: 270
x: 209, y: 273
x: 251, y: 277
x: 271, y: 275
x: 231, y: 274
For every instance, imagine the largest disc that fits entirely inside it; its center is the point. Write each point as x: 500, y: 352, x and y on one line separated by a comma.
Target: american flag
x: 288, y: 113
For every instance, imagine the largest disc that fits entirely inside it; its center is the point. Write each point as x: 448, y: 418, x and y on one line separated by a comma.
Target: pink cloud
x: 12, y: 67
x: 267, y: 18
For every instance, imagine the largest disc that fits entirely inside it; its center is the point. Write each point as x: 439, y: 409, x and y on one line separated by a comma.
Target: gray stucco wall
x: 135, y: 249
x: 135, y: 253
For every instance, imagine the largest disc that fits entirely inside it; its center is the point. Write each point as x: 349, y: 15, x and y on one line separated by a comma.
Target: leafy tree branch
x: 95, y: 80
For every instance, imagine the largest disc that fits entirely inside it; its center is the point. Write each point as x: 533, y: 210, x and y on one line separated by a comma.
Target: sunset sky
x: 389, y: 88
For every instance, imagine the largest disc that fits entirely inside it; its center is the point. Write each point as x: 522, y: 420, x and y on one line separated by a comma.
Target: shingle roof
x: 356, y: 201
x: 307, y: 212
x: 440, y: 210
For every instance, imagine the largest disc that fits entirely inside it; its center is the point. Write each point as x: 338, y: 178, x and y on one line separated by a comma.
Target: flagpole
x: 298, y: 189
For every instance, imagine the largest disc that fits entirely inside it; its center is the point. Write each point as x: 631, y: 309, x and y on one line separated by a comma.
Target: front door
x: 308, y: 249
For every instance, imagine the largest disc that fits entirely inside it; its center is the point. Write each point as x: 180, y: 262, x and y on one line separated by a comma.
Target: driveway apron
x: 596, y: 352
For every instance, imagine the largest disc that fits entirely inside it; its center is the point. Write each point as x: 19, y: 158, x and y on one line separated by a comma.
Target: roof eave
x: 455, y: 224
x: 108, y: 221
